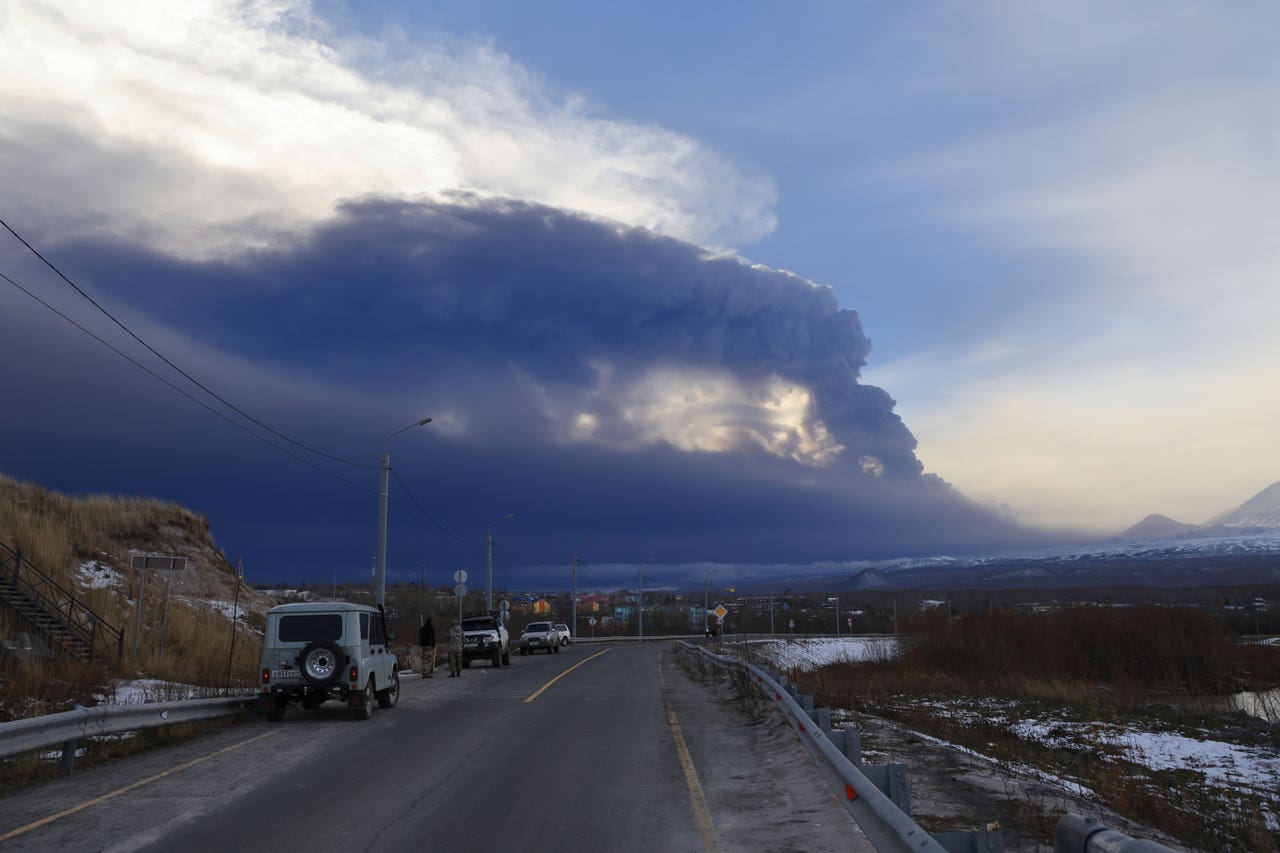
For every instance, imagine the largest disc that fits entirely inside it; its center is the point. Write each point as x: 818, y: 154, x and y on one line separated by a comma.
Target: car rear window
x: 304, y: 628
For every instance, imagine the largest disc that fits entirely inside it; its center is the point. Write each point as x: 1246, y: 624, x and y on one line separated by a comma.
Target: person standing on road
x: 455, y: 651
x: 427, y: 639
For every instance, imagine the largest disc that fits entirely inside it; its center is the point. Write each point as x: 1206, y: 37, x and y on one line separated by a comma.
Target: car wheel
x: 496, y: 657
x: 276, y: 714
x: 321, y: 663
x: 506, y: 658
x: 524, y: 651
x: 365, y: 709
x: 388, y: 698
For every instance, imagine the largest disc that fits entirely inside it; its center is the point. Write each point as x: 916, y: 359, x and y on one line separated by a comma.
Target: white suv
x: 317, y: 651
x: 539, y: 635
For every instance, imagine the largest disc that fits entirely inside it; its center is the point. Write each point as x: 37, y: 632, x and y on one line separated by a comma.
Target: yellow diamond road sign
x: 720, y: 611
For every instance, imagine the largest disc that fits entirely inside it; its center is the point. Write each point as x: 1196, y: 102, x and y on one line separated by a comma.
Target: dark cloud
x: 515, y: 324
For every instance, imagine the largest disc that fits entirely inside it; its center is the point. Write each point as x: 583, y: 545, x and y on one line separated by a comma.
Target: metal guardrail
x: 887, y: 827
x: 882, y: 817
x: 1076, y: 834
x: 66, y: 728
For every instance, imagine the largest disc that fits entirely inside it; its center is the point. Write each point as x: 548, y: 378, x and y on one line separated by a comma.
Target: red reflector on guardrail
x: 801, y: 726
x: 777, y: 697
x: 850, y: 793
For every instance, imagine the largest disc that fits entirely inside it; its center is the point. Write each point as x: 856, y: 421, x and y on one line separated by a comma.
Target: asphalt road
x: 496, y: 760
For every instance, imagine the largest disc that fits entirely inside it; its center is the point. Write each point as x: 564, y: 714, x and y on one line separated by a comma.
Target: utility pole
x: 770, y: 614
x: 488, y: 560
x: 240, y: 576
x: 384, y: 469
x: 837, y: 614
x: 640, y: 603
x: 573, y: 626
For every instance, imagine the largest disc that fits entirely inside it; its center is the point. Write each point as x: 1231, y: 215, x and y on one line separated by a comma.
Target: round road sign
x: 460, y: 590
x: 504, y: 605
x: 460, y: 576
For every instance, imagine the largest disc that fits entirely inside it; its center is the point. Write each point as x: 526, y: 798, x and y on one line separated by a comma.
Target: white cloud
x: 1138, y: 378
x: 201, y: 126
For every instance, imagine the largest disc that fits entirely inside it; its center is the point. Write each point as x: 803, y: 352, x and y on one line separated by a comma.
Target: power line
x: 183, y: 391
x: 175, y: 367
x: 438, y: 525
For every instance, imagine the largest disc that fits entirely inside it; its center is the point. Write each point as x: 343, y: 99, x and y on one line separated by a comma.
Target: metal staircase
x: 53, y: 612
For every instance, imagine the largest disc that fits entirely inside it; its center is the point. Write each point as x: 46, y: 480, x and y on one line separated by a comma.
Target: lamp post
x: 384, y: 468
x: 573, y: 630
x: 706, y: 599
x: 488, y: 560
x: 640, y: 602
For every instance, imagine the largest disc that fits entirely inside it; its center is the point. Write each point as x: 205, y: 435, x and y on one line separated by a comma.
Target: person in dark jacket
x: 427, y: 639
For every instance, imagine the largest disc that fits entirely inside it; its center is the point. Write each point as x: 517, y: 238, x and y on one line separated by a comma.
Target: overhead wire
x: 183, y: 391
x: 175, y: 367
x: 446, y: 531
x: 215, y: 395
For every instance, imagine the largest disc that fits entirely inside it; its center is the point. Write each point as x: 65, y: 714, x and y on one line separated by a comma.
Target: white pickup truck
x: 540, y: 635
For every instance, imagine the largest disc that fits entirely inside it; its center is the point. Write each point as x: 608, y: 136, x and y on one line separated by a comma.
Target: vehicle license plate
x: 284, y: 673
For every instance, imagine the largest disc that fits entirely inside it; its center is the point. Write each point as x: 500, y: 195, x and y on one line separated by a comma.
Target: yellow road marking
x: 561, y: 675
x: 700, y: 812
x: 23, y: 830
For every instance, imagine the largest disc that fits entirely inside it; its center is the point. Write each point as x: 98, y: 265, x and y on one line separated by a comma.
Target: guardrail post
x: 821, y: 718
x: 893, y: 782
x: 805, y: 701
x: 849, y: 742
x: 793, y: 690
x: 68, y: 760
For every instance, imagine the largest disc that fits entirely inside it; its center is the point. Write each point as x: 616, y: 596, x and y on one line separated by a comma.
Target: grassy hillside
x: 85, y: 545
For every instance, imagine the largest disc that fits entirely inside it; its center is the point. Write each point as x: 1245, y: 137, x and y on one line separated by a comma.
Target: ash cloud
x: 601, y: 381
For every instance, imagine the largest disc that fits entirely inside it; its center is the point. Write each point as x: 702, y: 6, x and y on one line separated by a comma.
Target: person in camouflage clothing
x: 454, y: 638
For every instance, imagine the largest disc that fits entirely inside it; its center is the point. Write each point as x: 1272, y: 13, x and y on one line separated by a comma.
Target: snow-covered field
x: 1241, y: 767
x: 809, y: 653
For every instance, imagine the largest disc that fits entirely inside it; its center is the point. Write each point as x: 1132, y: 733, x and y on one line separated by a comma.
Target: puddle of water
x: 1264, y: 705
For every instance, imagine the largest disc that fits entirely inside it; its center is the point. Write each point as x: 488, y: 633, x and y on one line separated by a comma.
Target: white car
x: 565, y: 637
x: 540, y: 635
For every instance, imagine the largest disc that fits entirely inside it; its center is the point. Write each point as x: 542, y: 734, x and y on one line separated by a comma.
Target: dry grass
x: 1136, y: 665
x: 56, y: 532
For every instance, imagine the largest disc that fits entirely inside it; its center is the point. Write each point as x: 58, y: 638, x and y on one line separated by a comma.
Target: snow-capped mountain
x: 1261, y: 510
x: 1259, y: 514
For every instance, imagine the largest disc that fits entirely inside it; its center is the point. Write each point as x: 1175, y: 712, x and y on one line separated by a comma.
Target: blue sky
x: 1054, y: 225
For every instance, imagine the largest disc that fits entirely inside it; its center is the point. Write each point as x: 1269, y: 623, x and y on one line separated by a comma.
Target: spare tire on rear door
x: 321, y: 663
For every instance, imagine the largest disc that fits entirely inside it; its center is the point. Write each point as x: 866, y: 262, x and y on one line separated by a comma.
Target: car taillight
x: 355, y: 675
x: 266, y: 675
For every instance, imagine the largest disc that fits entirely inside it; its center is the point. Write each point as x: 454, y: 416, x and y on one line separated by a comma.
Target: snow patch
x: 812, y: 653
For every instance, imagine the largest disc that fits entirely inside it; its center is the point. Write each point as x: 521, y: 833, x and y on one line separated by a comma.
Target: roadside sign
x: 460, y: 576
x: 504, y: 605
x: 791, y: 623
x: 461, y: 588
x: 720, y: 611
x: 592, y: 621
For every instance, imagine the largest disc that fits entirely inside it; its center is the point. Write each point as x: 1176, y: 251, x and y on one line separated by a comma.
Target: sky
x: 720, y: 284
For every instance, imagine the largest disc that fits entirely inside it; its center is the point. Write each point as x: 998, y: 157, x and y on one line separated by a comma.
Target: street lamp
x: 640, y: 601
x: 380, y: 583
x: 488, y: 559
x: 706, y: 600
x: 574, y: 624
